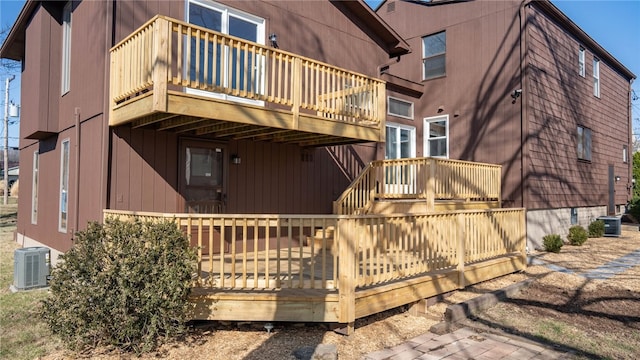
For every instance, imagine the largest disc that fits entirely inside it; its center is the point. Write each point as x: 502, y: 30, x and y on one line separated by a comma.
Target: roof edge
x: 8, y: 49
x: 398, y: 46
x: 556, y: 14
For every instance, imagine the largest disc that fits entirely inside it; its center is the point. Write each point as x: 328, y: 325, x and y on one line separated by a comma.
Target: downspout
x: 523, y: 102
x: 105, y: 153
x: 630, y: 183
x: 76, y: 117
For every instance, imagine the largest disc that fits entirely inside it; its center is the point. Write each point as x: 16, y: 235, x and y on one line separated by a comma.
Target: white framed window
x: 64, y: 187
x: 625, y: 154
x: 584, y: 143
x: 596, y: 77
x: 400, y: 108
x: 581, y: 57
x: 434, y: 48
x: 34, y: 187
x: 65, y: 81
x: 229, y: 65
x: 400, y: 142
x: 436, y: 136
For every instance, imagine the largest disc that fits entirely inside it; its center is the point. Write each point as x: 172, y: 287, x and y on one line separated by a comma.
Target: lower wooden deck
x: 338, y: 268
x: 303, y: 304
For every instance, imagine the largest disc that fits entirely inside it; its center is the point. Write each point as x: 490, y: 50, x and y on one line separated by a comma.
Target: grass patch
x: 23, y: 334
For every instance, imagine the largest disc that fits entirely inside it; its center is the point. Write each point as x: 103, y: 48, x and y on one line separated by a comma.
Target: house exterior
x: 252, y: 125
x: 517, y: 83
x: 79, y: 164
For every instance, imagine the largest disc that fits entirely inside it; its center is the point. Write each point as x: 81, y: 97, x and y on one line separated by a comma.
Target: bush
x: 15, y: 189
x: 596, y: 229
x: 552, y: 243
x: 577, y: 235
x: 634, y: 206
x: 123, y: 285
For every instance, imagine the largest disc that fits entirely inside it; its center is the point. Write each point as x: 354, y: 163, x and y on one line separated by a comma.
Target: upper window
x: 433, y: 55
x: 64, y: 187
x: 66, y: 49
x: 581, y: 70
x: 400, y: 108
x: 596, y: 77
x: 625, y: 154
x: 436, y: 136
x: 584, y: 143
x: 34, y: 188
x: 401, y: 141
x: 229, y: 69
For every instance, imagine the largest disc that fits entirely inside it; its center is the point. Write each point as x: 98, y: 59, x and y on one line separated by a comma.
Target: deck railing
x: 170, y: 54
x: 420, y: 178
x: 314, y: 251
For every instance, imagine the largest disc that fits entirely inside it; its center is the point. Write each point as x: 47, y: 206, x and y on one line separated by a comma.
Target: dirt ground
x: 563, y: 309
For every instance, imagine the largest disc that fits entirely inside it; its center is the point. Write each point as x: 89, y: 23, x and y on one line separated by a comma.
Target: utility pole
x: 6, y: 139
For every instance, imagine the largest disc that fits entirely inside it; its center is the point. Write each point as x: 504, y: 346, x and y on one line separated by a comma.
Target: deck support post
x: 160, y: 68
x: 346, y: 273
x: 461, y: 250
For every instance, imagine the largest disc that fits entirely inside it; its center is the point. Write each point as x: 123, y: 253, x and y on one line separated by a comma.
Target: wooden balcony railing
x: 359, y: 264
x: 167, y: 55
x: 420, y: 178
x: 310, y: 251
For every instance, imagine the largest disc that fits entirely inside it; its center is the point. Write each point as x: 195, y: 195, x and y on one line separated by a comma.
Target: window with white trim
x: 34, y: 187
x: 64, y: 187
x: 625, y: 154
x: 65, y: 81
x: 228, y: 68
x: 436, y: 136
x: 596, y: 77
x: 400, y: 108
x: 434, y: 48
x: 581, y: 57
x: 584, y: 143
x: 400, y: 142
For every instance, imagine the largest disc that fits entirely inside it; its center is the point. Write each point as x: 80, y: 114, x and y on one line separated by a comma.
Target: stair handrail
x: 363, y: 202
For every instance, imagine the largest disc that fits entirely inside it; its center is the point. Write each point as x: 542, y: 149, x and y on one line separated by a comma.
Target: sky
x: 614, y: 24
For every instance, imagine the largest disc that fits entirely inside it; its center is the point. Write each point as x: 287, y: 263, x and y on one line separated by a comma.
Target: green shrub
x: 552, y: 243
x: 577, y: 235
x: 634, y: 206
x: 596, y: 229
x: 122, y: 284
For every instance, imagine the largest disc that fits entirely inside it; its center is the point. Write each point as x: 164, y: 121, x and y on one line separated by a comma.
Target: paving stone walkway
x: 467, y: 343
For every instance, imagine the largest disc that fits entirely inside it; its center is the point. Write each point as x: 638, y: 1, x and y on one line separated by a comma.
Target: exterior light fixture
x: 617, y: 178
x: 235, y: 159
x: 273, y: 38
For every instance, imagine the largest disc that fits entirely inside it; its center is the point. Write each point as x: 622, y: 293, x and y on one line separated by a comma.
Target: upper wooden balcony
x: 171, y: 75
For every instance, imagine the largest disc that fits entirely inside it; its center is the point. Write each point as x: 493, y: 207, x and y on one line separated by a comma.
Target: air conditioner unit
x: 612, y: 225
x: 31, y: 267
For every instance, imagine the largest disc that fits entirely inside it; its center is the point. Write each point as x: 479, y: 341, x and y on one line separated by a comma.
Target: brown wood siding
x: 46, y: 229
x: 482, y: 69
x: 91, y: 171
x: 272, y: 178
x: 560, y: 100
x: 46, y: 109
x: 35, y: 77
